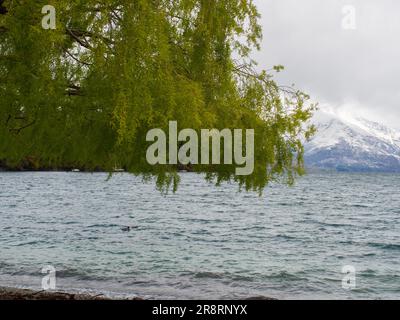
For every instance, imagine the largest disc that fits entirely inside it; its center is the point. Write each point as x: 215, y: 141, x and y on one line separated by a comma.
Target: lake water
x: 204, y: 241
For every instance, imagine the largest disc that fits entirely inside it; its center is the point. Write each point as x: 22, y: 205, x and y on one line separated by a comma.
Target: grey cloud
x: 358, y: 68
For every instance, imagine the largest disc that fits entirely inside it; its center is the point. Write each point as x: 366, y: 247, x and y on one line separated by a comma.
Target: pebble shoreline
x: 7, y: 293
x: 26, y: 294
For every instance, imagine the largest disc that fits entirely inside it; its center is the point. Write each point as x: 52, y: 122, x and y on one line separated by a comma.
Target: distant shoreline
x: 29, y: 167
x: 180, y: 170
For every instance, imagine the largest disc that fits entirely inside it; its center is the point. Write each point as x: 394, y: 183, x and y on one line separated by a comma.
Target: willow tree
x: 85, y: 94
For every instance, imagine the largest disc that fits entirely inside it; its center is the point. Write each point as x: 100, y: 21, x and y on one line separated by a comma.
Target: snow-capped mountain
x: 349, y: 143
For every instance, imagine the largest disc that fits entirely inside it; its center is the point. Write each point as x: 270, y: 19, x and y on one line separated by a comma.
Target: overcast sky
x: 355, y: 69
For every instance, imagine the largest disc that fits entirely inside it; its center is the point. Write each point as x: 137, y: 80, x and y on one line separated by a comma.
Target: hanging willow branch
x: 111, y: 72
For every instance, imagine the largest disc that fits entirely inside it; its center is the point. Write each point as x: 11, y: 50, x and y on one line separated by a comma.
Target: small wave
x: 386, y: 246
x: 360, y: 206
x: 231, y: 277
x: 284, y: 275
x: 285, y: 237
x: 28, y: 243
x: 5, y: 266
x: 368, y: 273
x: 251, y: 228
x: 70, y: 222
x: 206, y: 274
x: 285, y: 204
x: 78, y: 274
x: 257, y: 298
x: 370, y: 254
x: 335, y: 225
x: 103, y: 225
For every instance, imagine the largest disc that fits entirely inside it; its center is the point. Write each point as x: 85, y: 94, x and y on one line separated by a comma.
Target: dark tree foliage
x: 84, y: 95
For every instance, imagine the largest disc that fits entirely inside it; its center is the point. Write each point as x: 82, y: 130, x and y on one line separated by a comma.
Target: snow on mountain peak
x: 348, y: 141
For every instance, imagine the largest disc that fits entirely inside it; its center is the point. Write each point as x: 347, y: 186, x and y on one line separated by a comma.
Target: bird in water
x: 128, y: 228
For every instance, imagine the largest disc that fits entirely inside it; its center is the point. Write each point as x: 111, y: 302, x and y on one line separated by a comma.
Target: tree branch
x: 18, y: 130
x: 75, y: 58
x: 75, y: 36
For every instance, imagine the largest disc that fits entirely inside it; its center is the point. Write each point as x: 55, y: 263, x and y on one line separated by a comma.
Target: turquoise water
x: 204, y: 241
